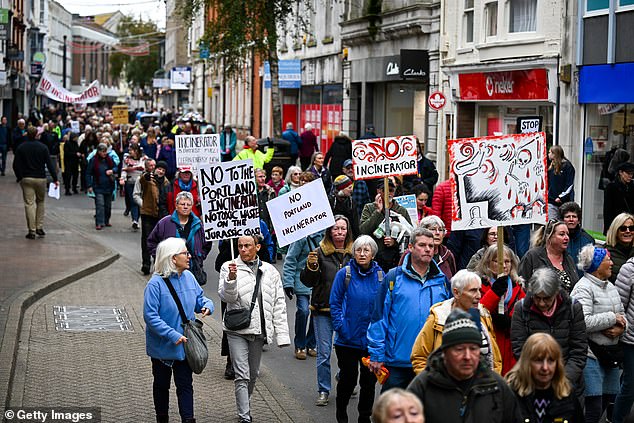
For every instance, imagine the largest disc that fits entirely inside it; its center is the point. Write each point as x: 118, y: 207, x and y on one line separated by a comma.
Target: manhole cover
x: 91, y: 319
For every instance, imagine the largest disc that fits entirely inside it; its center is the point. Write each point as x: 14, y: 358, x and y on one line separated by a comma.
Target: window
x: 468, y: 21
x: 491, y: 19
x: 594, y: 5
x: 626, y: 3
x: 523, y: 16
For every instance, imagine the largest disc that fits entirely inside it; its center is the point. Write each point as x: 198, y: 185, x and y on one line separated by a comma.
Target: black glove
x: 500, y: 285
x: 147, y: 176
x: 289, y: 292
x: 270, y: 141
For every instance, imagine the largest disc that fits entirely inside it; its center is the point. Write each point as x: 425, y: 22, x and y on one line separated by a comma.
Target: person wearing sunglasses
x: 619, y: 242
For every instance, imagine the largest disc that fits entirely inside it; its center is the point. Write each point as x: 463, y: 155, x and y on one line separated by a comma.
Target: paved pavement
x: 40, y: 366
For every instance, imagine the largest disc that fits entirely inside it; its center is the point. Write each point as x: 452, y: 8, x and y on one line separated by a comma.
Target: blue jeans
x: 184, y: 388
x: 302, y: 339
x: 625, y: 397
x: 103, y: 205
x: 323, y: 338
x: 134, y: 207
x: 400, y: 377
x: 522, y: 235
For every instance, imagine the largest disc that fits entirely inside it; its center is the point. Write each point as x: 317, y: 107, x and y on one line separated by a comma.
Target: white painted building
x: 60, y: 22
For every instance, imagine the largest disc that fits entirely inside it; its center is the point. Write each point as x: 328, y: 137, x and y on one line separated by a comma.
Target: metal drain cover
x: 91, y: 319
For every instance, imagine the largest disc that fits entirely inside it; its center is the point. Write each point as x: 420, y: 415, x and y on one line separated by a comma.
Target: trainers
x: 31, y: 235
x: 312, y: 352
x: 98, y: 227
x: 300, y: 353
x: 40, y: 233
x: 322, y: 399
x: 135, y: 226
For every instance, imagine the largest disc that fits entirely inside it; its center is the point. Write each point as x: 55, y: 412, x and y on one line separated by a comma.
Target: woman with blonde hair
x: 539, y: 382
x: 619, y: 242
x: 398, y: 405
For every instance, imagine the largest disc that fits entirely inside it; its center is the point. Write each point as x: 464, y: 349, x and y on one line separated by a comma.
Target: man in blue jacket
x: 292, y: 137
x: 401, y: 309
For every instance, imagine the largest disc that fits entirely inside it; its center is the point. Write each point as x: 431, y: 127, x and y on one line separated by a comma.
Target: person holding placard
x: 239, y: 280
x: 251, y: 151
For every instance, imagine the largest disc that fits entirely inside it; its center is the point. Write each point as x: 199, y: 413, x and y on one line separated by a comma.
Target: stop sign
x: 437, y: 100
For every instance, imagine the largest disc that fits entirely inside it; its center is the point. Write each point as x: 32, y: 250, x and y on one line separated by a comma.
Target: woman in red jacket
x: 184, y: 181
x: 499, y: 296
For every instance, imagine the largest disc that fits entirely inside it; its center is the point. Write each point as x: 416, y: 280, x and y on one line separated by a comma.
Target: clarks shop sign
x: 414, y: 64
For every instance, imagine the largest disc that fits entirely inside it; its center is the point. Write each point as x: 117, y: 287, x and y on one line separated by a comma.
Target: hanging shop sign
x: 530, y: 84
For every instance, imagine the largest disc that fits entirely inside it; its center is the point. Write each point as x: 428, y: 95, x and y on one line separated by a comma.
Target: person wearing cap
x: 293, y: 138
x: 369, y: 132
x: 619, y: 195
x: 401, y: 306
x: 150, y: 193
x: 100, y: 180
x: 458, y: 384
x: 341, y: 202
x: 360, y: 192
x: 184, y: 181
x: 251, y: 151
x: 228, y: 141
x: 373, y: 217
x: 465, y: 286
x: 338, y: 153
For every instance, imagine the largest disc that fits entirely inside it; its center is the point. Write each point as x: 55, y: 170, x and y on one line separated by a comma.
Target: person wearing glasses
x: 619, y: 242
x: 442, y: 256
x: 164, y: 331
x: 549, y: 308
x: 550, y: 244
x: 619, y: 195
x: 291, y: 181
x: 183, y: 224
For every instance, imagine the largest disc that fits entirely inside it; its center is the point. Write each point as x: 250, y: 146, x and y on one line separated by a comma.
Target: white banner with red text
x: 53, y: 90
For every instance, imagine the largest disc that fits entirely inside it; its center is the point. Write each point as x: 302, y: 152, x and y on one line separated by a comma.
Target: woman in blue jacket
x: 351, y: 304
x: 164, y: 332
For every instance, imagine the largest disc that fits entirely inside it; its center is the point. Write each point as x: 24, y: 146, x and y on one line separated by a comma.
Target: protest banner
x: 228, y: 196
x: 498, y: 181
x: 383, y: 157
x: 409, y: 203
x: 301, y: 212
x: 120, y: 114
x: 54, y: 90
x: 197, y: 150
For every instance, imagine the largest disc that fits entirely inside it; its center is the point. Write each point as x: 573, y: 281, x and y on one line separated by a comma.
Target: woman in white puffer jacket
x: 268, y: 317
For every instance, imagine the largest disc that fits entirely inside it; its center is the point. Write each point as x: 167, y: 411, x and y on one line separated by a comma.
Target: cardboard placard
x: 197, y: 150
x: 381, y: 157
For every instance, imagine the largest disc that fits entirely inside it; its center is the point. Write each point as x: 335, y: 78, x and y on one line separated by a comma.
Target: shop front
x: 606, y: 93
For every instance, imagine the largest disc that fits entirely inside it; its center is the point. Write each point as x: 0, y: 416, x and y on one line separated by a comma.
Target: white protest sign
x: 301, y: 212
x: 197, y: 150
x: 380, y: 157
x: 54, y: 90
x: 228, y: 195
x: 409, y: 203
x: 74, y: 126
x: 498, y: 181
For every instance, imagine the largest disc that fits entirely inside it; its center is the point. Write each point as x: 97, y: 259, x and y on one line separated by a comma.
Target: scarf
x: 186, y: 187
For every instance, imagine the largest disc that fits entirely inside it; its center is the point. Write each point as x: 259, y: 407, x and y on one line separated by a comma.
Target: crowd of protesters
x: 548, y: 338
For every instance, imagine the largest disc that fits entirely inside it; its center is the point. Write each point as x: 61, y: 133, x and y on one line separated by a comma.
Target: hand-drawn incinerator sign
x: 498, y: 181
x: 228, y: 195
x: 382, y: 157
x: 197, y: 150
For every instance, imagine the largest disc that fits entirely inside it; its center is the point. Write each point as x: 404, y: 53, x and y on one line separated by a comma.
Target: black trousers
x: 147, y: 224
x: 70, y: 175
x: 352, y: 369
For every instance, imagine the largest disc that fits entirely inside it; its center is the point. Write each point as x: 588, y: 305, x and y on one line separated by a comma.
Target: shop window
x: 595, y: 5
x: 468, y: 21
x: 491, y: 19
x: 623, y: 3
x: 523, y: 16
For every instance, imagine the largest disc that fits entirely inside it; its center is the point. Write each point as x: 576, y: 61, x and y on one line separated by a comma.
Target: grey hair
x: 186, y: 195
x: 420, y: 231
x: 365, y: 241
x: 289, y: 173
x: 544, y: 280
x: 308, y: 127
x: 586, y: 256
x: 166, y: 250
x: 460, y: 280
x: 432, y: 220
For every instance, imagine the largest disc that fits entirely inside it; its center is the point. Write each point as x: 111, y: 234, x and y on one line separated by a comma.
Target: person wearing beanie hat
x: 341, y: 183
x: 457, y: 386
x: 440, y: 331
x: 342, y: 203
x: 162, y: 164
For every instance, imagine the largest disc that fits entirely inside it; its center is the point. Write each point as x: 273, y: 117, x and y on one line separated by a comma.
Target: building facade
x: 60, y: 23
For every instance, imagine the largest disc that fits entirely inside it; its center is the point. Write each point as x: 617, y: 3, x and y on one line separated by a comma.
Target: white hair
x: 462, y: 278
x: 308, y: 127
x: 166, y: 250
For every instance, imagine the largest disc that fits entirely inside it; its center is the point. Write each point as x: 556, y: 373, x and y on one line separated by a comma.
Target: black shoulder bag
x: 196, y: 350
x: 240, y: 318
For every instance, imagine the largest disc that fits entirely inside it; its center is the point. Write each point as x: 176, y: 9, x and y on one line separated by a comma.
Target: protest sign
x: 381, y: 157
x: 301, y: 212
x: 54, y: 90
x: 74, y: 126
x: 120, y: 114
x: 409, y: 202
x: 498, y: 181
x: 197, y: 150
x: 228, y: 195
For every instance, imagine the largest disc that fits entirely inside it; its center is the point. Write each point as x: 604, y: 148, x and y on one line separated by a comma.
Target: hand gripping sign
x: 301, y: 212
x: 498, y: 181
x: 228, y: 195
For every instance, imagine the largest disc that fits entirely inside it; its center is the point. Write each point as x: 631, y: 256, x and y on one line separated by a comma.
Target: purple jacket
x: 168, y: 226
x: 309, y: 144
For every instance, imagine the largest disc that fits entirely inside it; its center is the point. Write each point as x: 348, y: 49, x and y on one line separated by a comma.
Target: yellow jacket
x: 430, y: 336
x: 258, y: 157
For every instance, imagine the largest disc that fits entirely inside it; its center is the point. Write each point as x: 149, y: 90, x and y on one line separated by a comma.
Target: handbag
x: 196, y: 351
x: 240, y: 318
x: 607, y: 355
